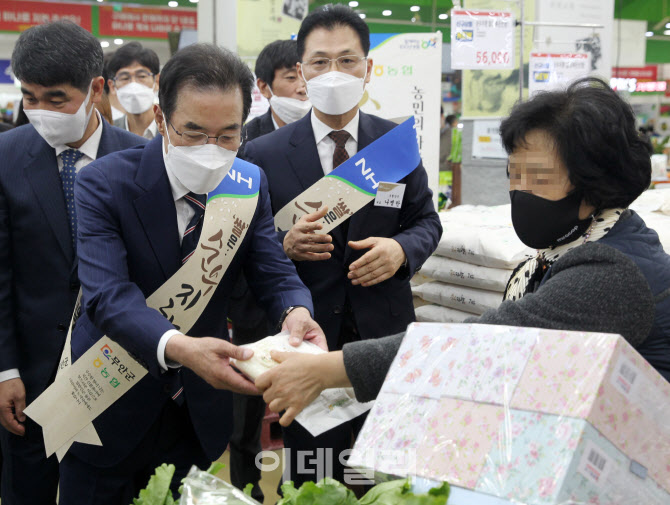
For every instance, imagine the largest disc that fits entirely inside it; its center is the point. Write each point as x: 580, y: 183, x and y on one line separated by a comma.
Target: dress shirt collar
x: 90, y: 147
x: 321, y: 129
x: 149, y: 133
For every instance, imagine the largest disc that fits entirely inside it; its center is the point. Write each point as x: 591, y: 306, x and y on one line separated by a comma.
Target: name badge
x: 390, y: 194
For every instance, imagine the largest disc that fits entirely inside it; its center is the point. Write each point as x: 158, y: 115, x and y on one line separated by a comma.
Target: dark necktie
x: 189, y: 243
x: 67, y: 178
x: 192, y: 233
x: 340, y: 155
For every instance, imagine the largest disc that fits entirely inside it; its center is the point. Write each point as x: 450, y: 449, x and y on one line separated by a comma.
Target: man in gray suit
x: 133, y: 71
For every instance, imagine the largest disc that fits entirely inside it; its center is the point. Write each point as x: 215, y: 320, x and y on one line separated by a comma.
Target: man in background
x: 359, y: 273
x: 133, y: 72
x: 279, y: 82
x: 60, y: 68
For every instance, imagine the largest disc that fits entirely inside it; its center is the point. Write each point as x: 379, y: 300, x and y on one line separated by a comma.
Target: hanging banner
x: 486, y: 141
x: 550, y: 71
x: 406, y: 81
x: 482, y: 39
x: 19, y: 16
x: 595, y: 41
x: 139, y: 22
x: 491, y: 93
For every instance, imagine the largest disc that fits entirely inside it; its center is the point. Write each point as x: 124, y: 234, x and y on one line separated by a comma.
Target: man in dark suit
x: 139, y: 222
x: 359, y: 274
x: 60, y: 69
x: 278, y: 81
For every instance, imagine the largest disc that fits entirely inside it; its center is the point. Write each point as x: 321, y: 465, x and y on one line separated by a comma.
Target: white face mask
x: 136, y: 98
x: 335, y: 92
x: 288, y: 109
x: 60, y: 128
x: 199, y: 168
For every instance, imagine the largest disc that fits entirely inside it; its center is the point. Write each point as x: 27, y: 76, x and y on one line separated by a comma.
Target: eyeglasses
x: 141, y: 76
x: 230, y: 142
x: 346, y: 62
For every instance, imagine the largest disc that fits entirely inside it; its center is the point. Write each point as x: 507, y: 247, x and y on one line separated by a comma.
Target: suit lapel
x: 42, y: 174
x: 303, y: 156
x: 367, y: 134
x: 266, y: 124
x: 156, y: 209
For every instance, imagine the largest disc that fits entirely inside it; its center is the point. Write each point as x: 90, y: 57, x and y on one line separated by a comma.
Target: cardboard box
x: 531, y: 415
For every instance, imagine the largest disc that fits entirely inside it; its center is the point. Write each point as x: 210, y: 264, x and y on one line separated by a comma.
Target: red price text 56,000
x: 492, y: 57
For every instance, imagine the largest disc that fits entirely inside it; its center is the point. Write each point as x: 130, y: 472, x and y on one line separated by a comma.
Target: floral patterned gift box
x: 535, y: 416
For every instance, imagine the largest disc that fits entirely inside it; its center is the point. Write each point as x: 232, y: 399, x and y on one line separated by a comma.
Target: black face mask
x: 541, y: 223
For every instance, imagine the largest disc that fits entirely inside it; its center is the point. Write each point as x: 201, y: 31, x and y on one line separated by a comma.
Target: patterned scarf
x: 528, y: 274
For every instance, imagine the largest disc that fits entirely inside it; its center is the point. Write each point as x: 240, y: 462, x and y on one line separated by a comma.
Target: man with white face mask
x: 134, y: 81
x: 60, y: 69
x: 358, y: 273
x: 278, y: 81
x: 163, y: 215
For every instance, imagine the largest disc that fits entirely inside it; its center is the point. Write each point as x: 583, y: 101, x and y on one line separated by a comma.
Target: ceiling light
x: 415, y: 8
x: 104, y: 43
x: 353, y: 3
x: 666, y: 32
x: 173, y: 4
x: 362, y: 15
x: 667, y: 25
x: 118, y: 42
x: 649, y: 34
x: 443, y: 16
x: 193, y: 1
x: 387, y: 12
x: 99, y: 1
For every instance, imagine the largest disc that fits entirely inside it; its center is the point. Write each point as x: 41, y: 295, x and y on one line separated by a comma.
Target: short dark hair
x: 594, y: 133
x: 204, y: 66
x: 57, y: 53
x: 451, y: 118
x: 131, y: 53
x: 330, y: 16
x: 277, y: 55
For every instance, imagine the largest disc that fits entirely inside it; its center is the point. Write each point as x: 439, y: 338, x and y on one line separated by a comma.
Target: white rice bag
x: 465, y: 274
x: 475, y: 301
x: 438, y: 314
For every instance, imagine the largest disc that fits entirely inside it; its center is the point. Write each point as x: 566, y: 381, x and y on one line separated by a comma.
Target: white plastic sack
x: 439, y: 314
x: 331, y: 408
x: 653, y: 200
x: 466, y: 274
x: 475, y: 301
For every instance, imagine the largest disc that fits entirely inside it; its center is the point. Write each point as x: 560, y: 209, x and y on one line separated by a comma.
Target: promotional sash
x: 103, y: 374
x: 353, y: 184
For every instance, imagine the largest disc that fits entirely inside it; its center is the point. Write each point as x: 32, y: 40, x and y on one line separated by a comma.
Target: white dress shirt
x: 149, y: 133
x: 89, y: 149
x: 184, y: 215
x: 326, y: 146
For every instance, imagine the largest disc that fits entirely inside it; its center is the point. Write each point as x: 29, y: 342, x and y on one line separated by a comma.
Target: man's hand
x: 301, y: 243
x: 302, y: 327
x: 12, y: 405
x: 299, y: 379
x: 381, y: 262
x: 210, y: 359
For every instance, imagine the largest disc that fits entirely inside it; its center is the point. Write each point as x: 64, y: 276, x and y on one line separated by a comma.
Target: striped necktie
x: 67, y: 177
x: 192, y: 233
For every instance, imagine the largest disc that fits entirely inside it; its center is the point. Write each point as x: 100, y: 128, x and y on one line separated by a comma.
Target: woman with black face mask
x: 576, y: 162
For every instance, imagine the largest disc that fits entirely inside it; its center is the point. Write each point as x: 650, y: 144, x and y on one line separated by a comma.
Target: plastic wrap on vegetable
x: 203, y: 488
x: 523, y: 416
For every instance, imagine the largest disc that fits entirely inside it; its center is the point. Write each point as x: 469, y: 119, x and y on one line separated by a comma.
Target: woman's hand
x: 299, y: 380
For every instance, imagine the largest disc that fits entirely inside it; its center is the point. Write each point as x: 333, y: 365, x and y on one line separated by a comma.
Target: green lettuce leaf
x: 157, y: 491
x: 248, y: 489
x: 397, y: 492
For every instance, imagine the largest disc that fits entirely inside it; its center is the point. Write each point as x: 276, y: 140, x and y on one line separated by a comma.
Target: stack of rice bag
x: 473, y: 262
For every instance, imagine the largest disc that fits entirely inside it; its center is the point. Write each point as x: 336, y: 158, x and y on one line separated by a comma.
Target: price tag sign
x: 482, y: 39
x: 549, y: 71
x: 390, y: 194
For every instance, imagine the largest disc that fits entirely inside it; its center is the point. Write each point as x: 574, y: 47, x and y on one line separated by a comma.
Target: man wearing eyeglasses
x: 359, y: 273
x: 135, y: 83
x: 143, y: 214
